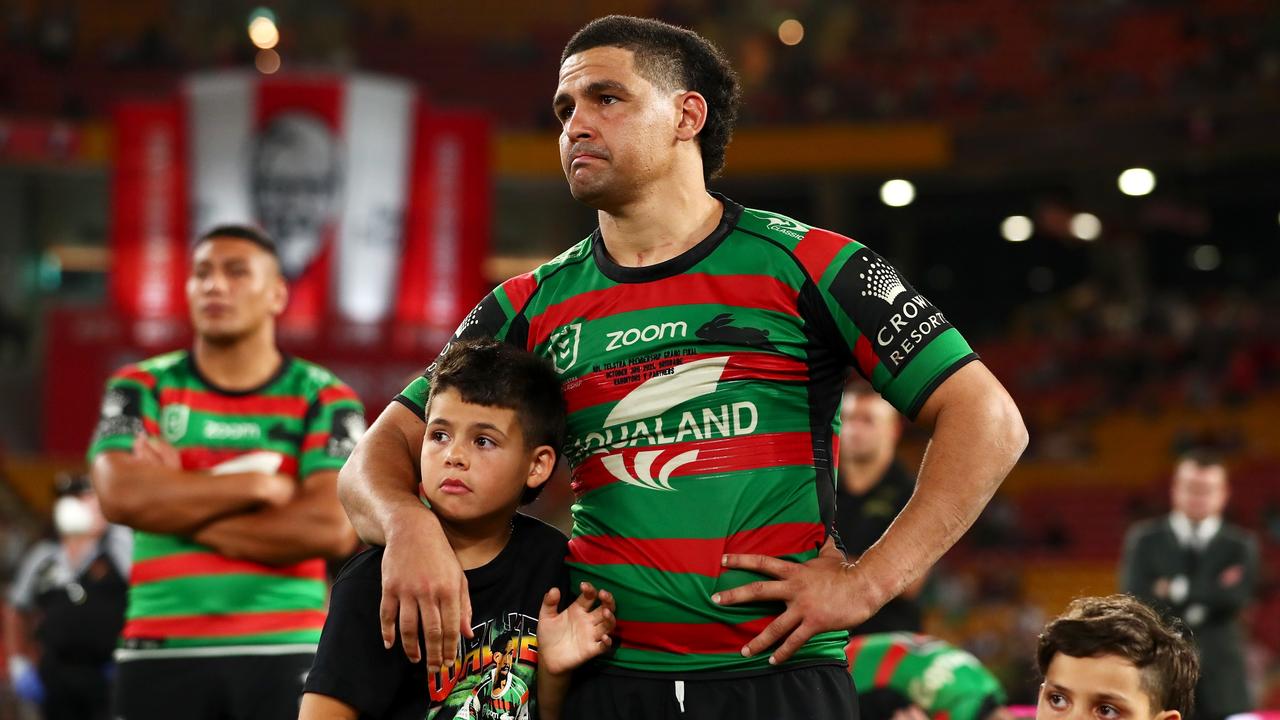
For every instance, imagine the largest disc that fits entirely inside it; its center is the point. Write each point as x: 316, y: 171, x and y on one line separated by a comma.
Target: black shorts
x: 816, y: 692
x: 232, y: 687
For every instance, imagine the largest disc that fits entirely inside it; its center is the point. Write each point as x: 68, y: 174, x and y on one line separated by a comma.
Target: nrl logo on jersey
x: 173, y: 422
x: 563, y: 347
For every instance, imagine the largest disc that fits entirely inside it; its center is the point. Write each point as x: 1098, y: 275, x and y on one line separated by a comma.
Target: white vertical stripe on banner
x: 220, y: 112
x: 377, y: 123
x: 446, y: 228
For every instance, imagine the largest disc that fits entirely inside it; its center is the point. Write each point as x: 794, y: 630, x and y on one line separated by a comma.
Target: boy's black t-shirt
x: 352, y: 666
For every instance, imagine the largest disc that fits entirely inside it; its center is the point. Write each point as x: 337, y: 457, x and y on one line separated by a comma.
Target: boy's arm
x: 568, y: 639
x: 311, y: 525
x: 322, y: 707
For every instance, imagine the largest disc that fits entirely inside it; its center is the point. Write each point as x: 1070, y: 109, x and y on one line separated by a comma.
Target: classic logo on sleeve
x: 347, y: 429
x: 898, y: 321
x: 121, y: 413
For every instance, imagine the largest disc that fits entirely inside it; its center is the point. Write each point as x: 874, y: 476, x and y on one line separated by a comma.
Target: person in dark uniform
x: 873, y: 488
x: 66, y: 608
x: 1194, y: 566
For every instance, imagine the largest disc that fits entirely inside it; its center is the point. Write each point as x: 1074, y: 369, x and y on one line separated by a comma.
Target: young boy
x: 495, y: 423
x: 1114, y: 658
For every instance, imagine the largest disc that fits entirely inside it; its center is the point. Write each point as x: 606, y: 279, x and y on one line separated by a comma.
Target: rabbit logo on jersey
x: 637, y: 420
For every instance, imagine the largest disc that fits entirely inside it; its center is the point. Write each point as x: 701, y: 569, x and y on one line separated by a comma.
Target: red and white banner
x: 379, y: 206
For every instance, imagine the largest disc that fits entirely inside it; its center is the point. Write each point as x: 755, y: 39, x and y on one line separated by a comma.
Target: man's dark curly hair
x: 679, y: 59
x: 1122, y: 626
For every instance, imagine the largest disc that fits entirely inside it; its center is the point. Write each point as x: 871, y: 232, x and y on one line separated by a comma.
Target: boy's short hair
x: 1122, y: 626
x: 492, y: 373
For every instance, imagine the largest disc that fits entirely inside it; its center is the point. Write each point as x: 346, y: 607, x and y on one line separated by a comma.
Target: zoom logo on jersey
x: 215, y: 430
x: 625, y: 338
x: 637, y: 420
x: 897, y: 320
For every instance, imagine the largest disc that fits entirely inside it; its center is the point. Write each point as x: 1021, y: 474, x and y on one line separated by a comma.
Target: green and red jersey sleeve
x: 334, y: 423
x: 129, y: 409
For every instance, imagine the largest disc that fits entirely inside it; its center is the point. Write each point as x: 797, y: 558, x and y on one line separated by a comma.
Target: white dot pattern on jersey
x: 881, y: 281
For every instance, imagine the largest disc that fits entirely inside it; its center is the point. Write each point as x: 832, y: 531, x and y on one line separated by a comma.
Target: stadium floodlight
x: 263, y: 32
x: 1205, y: 258
x: 791, y: 31
x: 897, y: 193
x: 1086, y: 226
x: 1137, y: 181
x: 1017, y: 228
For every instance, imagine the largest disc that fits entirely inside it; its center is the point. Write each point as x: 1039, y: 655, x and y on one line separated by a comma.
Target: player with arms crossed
x: 702, y: 348
x: 224, y: 460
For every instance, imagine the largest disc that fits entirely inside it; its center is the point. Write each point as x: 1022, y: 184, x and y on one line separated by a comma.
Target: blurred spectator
x: 66, y: 608
x: 873, y: 489
x: 1194, y: 566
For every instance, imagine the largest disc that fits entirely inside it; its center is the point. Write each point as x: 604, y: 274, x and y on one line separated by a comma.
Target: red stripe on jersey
x: 695, y: 555
x: 817, y: 249
x: 194, y: 458
x: 314, y: 441
x: 865, y: 356
x: 137, y: 375
x: 197, y: 563
x: 234, y: 405
x: 689, y: 638
x: 719, y: 456
x: 892, y: 658
x: 760, y: 292
x: 335, y: 393
x: 598, y: 387
x: 224, y: 625
x: 519, y: 289
x: 942, y: 715
x: 151, y: 426
x: 851, y: 650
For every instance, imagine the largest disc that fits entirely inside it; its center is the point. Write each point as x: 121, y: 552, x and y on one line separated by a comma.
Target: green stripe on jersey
x: 206, y: 595
x: 821, y: 647
x: 289, y: 637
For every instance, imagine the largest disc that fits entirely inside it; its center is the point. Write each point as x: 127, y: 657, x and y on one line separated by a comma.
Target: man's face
x: 503, y: 660
x: 618, y: 129
x: 234, y: 287
x: 1106, y: 687
x: 1199, y: 491
x: 869, y: 427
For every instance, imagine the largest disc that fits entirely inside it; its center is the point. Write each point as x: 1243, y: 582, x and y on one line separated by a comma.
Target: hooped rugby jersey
x: 703, y: 397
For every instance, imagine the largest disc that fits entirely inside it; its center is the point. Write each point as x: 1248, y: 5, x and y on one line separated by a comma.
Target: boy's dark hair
x: 1122, y: 626
x: 671, y: 56
x: 495, y: 374
x: 241, y: 232
x: 1203, y: 457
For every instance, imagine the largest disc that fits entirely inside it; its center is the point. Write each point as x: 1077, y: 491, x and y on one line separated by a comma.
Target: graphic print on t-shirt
x: 492, y: 681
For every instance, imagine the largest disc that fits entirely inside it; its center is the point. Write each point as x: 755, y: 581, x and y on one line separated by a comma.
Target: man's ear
x: 279, y: 295
x: 1168, y: 715
x: 541, y: 466
x: 693, y: 115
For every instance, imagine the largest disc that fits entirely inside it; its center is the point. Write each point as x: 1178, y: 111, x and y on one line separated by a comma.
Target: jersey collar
x: 676, y: 265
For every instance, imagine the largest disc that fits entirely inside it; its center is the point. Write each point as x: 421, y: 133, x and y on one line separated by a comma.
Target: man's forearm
x: 161, y: 500
x: 977, y: 439
x: 380, y: 479
x: 311, y: 526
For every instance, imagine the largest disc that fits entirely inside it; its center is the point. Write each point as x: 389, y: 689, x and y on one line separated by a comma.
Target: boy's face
x: 1106, y: 687
x: 474, y: 461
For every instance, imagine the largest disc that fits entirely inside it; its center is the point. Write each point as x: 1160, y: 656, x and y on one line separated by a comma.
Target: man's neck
x: 480, y: 541
x: 660, y: 225
x: 858, y: 477
x: 241, y: 365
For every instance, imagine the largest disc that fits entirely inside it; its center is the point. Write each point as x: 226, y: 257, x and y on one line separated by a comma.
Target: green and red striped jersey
x: 182, y: 594
x: 703, y: 396
x: 944, y: 681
